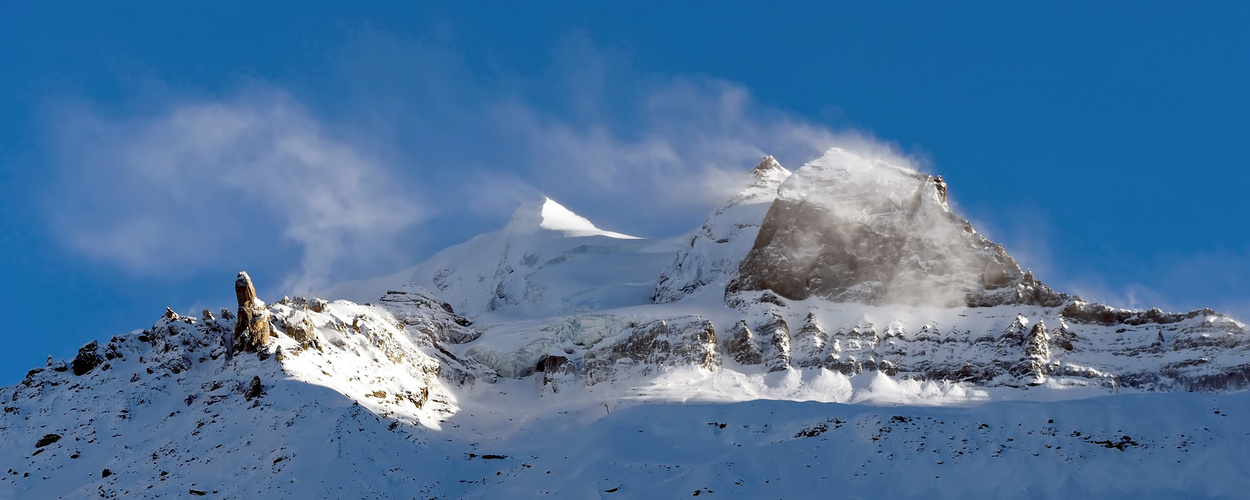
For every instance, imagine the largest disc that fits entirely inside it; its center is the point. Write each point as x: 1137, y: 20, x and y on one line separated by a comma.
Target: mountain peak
x: 546, y: 214
x: 767, y: 165
x: 849, y: 228
x: 769, y: 172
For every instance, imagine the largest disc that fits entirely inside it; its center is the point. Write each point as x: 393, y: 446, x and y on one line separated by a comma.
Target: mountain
x: 546, y: 261
x: 852, y: 229
x: 835, y: 330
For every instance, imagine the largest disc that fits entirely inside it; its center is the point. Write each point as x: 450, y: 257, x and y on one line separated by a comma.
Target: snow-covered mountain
x: 835, y: 329
x: 547, y: 261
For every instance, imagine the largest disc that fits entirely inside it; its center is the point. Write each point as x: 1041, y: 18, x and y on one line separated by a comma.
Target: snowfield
x: 552, y: 358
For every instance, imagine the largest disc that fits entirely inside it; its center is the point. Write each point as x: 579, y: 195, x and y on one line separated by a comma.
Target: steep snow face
x: 716, y: 249
x: 547, y: 261
x: 853, y: 229
x: 548, y: 215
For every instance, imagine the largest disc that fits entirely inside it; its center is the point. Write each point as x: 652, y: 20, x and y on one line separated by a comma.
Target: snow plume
x: 633, y: 150
x: 679, y: 144
x: 866, y: 230
x: 211, y: 182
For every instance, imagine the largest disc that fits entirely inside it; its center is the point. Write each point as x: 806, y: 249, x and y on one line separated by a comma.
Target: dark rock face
x: 768, y: 343
x: 252, y: 330
x: 1091, y: 313
x: 254, y: 389
x: 741, y: 346
x: 653, y: 346
x: 809, y: 343
x: 848, y: 229
x: 47, y: 439
x: 555, y: 370
x: 88, y: 358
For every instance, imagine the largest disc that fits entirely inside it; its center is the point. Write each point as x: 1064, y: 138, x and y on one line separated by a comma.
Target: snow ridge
x: 548, y: 215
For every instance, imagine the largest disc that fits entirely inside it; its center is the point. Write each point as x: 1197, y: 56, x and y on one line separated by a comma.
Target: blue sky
x: 149, y: 151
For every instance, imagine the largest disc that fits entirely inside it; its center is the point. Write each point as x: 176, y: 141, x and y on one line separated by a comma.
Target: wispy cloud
x: 677, y: 143
x: 402, y: 131
x: 204, y: 182
x: 643, y: 152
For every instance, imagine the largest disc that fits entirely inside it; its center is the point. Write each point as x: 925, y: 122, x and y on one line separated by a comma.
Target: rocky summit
x: 850, y: 229
x: 803, y: 334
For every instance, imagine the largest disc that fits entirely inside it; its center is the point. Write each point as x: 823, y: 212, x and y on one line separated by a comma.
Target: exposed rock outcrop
x: 88, y: 358
x: 254, y: 389
x: 299, y: 326
x: 850, y: 229
x: 418, y: 308
x: 252, y: 330
x: 809, y: 344
x: 741, y: 345
x: 645, y: 349
x: 776, y: 335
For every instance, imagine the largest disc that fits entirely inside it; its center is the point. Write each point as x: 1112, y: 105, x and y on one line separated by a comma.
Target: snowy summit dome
x: 546, y: 214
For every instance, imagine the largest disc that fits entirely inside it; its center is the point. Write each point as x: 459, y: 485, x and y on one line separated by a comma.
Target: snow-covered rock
x: 416, y: 307
x: 164, y: 411
x: 655, y: 346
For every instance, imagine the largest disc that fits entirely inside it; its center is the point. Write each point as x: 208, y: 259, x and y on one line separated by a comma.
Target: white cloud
x: 220, y: 183
x: 211, y: 182
x: 657, y: 148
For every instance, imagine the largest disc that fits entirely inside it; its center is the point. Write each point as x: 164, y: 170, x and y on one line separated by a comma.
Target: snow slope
x: 546, y: 261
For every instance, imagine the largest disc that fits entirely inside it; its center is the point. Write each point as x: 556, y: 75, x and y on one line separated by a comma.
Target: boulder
x: 254, y: 389
x: 299, y: 326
